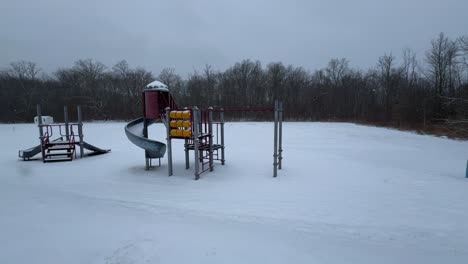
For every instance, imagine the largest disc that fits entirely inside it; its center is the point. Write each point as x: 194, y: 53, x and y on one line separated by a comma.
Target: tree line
x: 417, y: 91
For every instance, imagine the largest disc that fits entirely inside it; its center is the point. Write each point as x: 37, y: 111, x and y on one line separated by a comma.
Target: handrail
x: 49, y: 128
x: 58, y: 124
x: 46, y: 138
x: 72, y: 141
x: 49, y: 134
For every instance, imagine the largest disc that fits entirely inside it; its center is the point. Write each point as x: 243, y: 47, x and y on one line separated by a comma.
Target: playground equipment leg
x: 466, y: 173
x: 195, y: 141
x: 222, y: 136
x: 65, y: 120
x: 41, y: 130
x: 187, y: 161
x: 80, y: 130
x: 275, y: 145
x: 280, y: 136
x: 169, y: 145
x: 210, y: 129
x: 147, y: 163
x: 145, y: 135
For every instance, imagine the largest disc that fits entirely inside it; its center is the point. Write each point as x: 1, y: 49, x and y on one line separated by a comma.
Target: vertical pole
x: 280, y: 136
x: 169, y: 145
x: 65, y: 120
x: 145, y: 135
x: 41, y: 130
x: 200, y: 132
x: 195, y: 141
x: 145, y: 130
x: 466, y: 173
x: 275, y: 145
x: 80, y: 130
x: 210, y: 131
x: 424, y: 114
x: 186, y: 148
x: 187, y: 161
x: 222, y: 135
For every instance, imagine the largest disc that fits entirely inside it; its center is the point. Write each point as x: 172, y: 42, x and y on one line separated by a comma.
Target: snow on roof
x: 158, y: 86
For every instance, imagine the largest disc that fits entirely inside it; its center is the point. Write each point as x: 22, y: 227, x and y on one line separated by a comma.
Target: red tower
x: 156, y: 98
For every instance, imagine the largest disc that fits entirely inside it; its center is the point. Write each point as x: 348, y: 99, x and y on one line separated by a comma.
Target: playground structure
x: 201, y: 130
x: 62, y: 148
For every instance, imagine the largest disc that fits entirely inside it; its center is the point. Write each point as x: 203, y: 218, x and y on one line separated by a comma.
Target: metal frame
x: 275, y: 143
x: 66, y: 138
x: 207, y: 136
x: 278, y: 138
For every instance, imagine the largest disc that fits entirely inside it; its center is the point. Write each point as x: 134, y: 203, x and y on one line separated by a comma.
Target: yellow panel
x: 187, y: 124
x: 173, y: 114
x: 180, y: 123
x: 174, y: 132
x: 186, y: 114
x: 187, y: 133
x: 173, y: 123
x: 180, y: 133
x: 179, y: 114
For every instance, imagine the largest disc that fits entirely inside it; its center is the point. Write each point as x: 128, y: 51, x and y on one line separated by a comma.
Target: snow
x: 157, y: 86
x: 346, y: 194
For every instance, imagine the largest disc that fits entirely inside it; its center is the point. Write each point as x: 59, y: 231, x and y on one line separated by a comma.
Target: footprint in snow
x: 136, y: 252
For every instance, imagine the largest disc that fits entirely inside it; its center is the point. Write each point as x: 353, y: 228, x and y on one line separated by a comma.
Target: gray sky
x: 186, y: 35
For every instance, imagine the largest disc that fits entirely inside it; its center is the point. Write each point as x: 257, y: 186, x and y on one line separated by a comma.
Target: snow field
x: 347, y: 194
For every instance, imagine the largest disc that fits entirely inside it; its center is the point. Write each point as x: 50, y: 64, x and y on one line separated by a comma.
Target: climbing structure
x: 201, y: 130
x: 200, y: 133
x: 58, y: 141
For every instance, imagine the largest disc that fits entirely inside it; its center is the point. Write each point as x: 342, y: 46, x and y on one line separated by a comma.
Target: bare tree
x: 464, y: 44
x: 441, y: 59
x: 275, y: 75
x: 410, y: 66
x: 463, y: 47
x: 89, y: 72
x: 386, y: 67
x: 175, y: 83
x: 25, y: 72
x: 121, y: 68
x: 336, y: 70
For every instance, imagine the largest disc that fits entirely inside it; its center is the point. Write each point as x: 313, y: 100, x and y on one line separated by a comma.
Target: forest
x: 425, y: 92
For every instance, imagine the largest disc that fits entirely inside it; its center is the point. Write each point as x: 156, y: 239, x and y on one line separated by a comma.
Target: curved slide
x: 134, y: 132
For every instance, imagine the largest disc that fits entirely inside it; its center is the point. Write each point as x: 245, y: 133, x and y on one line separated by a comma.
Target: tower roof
x: 157, y: 86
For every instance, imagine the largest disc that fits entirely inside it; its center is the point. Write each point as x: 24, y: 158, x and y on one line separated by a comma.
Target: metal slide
x: 134, y: 132
x: 29, y: 153
x: 95, y: 150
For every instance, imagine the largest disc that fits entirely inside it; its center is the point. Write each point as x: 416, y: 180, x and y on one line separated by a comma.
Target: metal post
x: 65, y: 120
x: 145, y: 135
x: 275, y: 145
x: 195, y: 141
x: 466, y: 173
x: 200, y: 132
x: 41, y: 130
x: 80, y: 130
x: 280, y: 136
x: 186, y: 148
x: 169, y: 145
x: 210, y: 131
x: 221, y: 116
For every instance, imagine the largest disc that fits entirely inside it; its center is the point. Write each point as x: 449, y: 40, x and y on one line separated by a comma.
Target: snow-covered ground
x: 347, y: 194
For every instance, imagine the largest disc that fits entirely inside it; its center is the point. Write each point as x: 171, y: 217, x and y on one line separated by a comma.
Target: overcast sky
x: 186, y: 35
